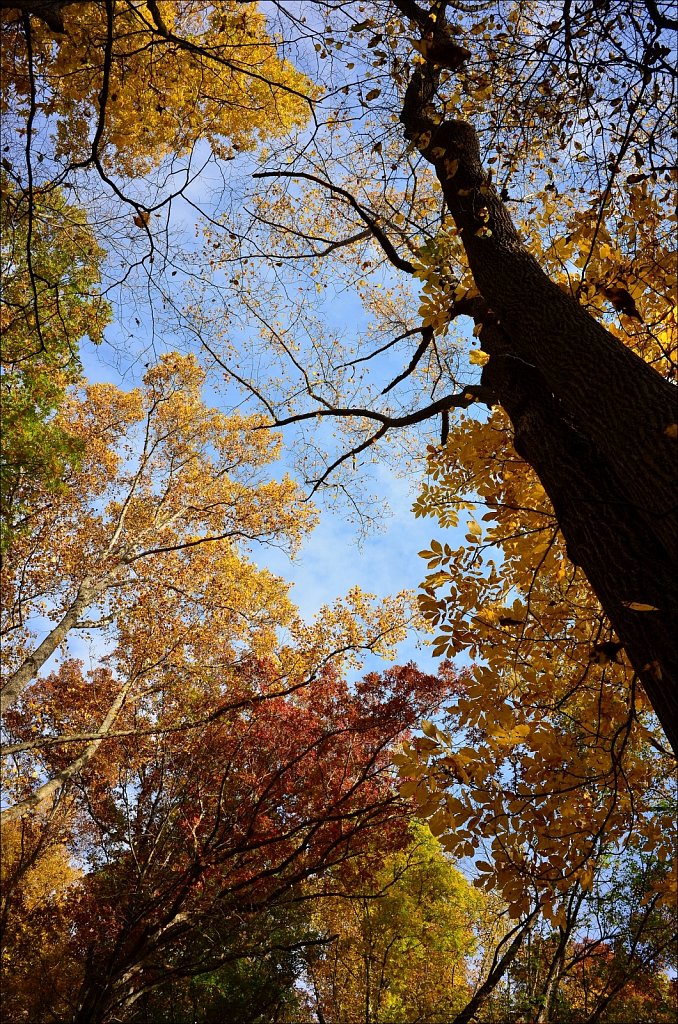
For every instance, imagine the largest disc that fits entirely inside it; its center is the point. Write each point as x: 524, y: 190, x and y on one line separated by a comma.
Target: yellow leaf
x: 474, y: 528
x: 586, y: 878
x: 638, y: 606
x: 478, y: 357
x: 438, y: 823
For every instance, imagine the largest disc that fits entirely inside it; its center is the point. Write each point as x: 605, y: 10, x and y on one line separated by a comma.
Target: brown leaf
x: 604, y: 653
x: 622, y: 301
x: 634, y: 179
x: 447, y: 54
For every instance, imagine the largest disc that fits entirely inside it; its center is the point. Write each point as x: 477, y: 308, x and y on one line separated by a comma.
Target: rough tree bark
x: 594, y: 421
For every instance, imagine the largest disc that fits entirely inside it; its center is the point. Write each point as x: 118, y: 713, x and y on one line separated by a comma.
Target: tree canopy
x: 437, y: 237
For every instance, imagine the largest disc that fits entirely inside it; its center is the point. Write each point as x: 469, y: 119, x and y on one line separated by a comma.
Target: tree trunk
x: 554, y: 974
x: 497, y: 972
x: 29, y: 668
x: 51, y: 789
x: 589, y: 415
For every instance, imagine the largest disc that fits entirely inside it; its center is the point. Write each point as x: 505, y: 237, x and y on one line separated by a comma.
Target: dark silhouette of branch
x: 378, y: 232
x: 427, y: 338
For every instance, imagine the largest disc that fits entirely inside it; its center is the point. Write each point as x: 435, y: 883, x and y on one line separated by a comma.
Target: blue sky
x: 335, y: 557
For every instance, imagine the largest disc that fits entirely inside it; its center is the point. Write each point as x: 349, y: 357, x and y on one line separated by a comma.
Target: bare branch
x: 383, y: 348
x: 473, y: 393
x: 379, y: 234
x: 427, y: 338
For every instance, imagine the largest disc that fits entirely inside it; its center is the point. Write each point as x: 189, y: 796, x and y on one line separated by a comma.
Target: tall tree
x: 587, y: 410
x: 552, y: 751
x: 554, y: 702
x: 213, y: 756
x: 402, y: 935
x: 595, y: 422
x: 196, y: 844
x: 146, y: 550
x: 588, y: 405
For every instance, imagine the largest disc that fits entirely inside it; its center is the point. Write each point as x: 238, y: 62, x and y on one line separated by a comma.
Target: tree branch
x: 379, y: 234
x: 55, y: 784
x: 426, y: 339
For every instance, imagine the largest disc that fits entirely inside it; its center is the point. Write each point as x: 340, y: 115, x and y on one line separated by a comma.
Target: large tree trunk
x: 590, y: 416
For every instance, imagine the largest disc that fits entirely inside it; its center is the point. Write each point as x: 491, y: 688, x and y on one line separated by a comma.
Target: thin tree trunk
x: 19, y: 680
x: 497, y: 972
x: 51, y: 789
x: 553, y: 977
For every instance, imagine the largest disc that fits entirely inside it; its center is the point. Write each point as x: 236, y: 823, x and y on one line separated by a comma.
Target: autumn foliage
x: 160, y: 76
x: 216, y: 752
x: 211, y: 828
x: 291, y: 245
